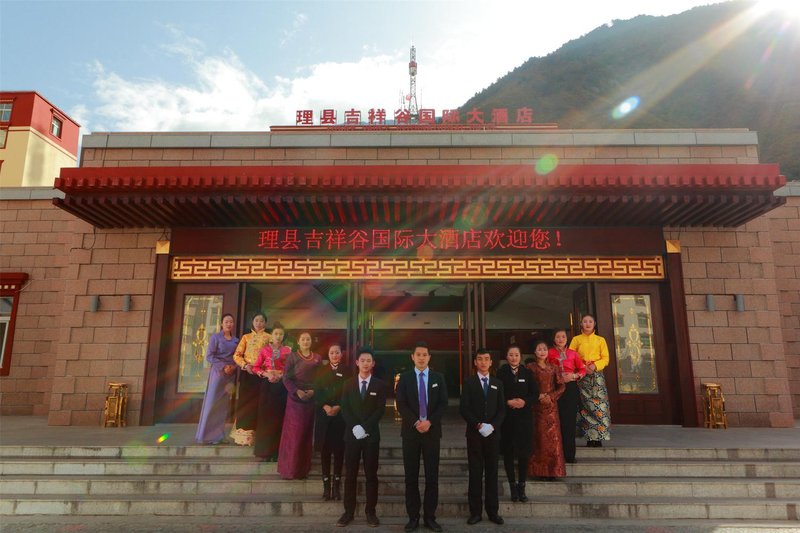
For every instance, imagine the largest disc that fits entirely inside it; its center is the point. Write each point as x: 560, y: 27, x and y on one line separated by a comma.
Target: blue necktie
x: 485, y: 386
x: 363, y: 389
x: 423, y: 398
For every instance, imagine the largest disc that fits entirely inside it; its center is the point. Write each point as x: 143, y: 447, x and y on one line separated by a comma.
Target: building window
x: 3, y: 137
x: 55, y: 126
x: 5, y: 111
x: 11, y: 283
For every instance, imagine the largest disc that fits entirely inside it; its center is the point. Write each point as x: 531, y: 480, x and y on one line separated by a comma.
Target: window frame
x: 10, y: 104
x: 11, y: 284
x: 53, y: 119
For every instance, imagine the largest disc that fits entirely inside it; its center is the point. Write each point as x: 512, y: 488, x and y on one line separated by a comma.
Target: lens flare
x: 546, y: 164
x: 162, y: 438
x: 626, y: 107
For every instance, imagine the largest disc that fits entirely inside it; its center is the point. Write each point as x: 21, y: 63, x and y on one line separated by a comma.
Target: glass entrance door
x: 398, y: 314
x: 641, y: 375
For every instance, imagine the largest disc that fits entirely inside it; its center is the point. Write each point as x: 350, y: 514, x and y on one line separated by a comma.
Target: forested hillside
x: 730, y: 65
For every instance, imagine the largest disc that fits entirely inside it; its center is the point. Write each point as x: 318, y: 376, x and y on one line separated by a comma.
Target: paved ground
x: 34, y: 431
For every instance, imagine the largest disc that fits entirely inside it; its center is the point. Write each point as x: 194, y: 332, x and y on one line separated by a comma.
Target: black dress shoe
x: 372, y: 520
x: 413, y: 524
x: 345, y: 519
x: 431, y: 524
x: 497, y: 519
x: 474, y: 519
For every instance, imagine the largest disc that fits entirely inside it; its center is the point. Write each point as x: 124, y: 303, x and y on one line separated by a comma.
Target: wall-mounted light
x: 739, y: 300
x: 126, y: 303
x: 94, y: 303
x: 711, y: 305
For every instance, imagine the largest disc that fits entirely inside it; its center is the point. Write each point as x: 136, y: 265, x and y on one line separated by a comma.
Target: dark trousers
x: 354, y: 452
x: 269, y: 419
x: 247, y: 400
x: 568, y: 414
x: 482, y: 456
x: 426, y: 447
x: 522, y: 467
x: 328, y: 451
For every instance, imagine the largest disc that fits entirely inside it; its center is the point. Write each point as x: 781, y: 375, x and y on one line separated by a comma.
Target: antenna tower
x: 413, y: 108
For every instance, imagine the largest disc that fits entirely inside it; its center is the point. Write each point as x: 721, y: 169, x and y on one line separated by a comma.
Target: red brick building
x: 675, y: 239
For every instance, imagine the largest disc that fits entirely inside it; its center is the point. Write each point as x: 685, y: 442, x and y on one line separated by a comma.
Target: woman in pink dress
x: 547, y: 461
x: 572, y: 369
x: 294, y: 456
x: 272, y: 398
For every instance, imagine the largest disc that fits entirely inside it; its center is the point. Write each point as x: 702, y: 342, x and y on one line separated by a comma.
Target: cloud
x: 299, y: 21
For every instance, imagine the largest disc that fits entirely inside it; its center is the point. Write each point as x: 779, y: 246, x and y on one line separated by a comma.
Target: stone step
x: 706, y: 488
x: 394, y: 450
x: 313, y: 524
x: 638, y: 508
x: 176, y: 466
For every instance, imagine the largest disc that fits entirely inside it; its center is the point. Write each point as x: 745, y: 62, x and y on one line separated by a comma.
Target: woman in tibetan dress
x: 572, y: 370
x: 595, y: 412
x: 221, y: 383
x: 547, y: 461
x: 294, y: 455
x: 270, y: 366
x: 245, y: 357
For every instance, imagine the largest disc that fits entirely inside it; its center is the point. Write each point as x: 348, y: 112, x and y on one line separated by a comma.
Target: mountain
x: 729, y: 65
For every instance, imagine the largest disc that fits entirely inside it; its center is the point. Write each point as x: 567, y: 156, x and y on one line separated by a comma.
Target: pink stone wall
x: 744, y: 351
x: 33, y: 240
x: 64, y: 354
x: 784, y: 226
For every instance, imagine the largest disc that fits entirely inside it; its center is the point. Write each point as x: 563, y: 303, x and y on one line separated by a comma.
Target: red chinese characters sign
x: 356, y: 241
x: 427, y: 117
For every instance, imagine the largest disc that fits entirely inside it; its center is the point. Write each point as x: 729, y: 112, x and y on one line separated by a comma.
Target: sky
x: 248, y: 65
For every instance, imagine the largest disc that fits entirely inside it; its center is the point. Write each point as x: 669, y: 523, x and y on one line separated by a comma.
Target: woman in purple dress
x: 221, y: 377
x: 294, y: 455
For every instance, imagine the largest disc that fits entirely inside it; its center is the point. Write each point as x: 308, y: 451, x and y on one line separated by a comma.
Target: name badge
x: 338, y: 375
x: 521, y: 380
x: 373, y: 393
x: 493, y: 386
x: 434, y: 385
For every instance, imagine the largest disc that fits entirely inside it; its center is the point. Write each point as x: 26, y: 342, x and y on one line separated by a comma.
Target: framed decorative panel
x: 483, y: 268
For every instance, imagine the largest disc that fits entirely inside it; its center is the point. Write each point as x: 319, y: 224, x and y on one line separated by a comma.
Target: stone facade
x: 65, y: 353
x: 744, y: 351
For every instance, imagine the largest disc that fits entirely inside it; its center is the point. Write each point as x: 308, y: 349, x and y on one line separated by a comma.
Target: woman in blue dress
x: 221, y: 383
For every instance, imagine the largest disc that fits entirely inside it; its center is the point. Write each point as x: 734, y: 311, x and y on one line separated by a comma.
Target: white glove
x: 486, y: 430
x: 359, y: 433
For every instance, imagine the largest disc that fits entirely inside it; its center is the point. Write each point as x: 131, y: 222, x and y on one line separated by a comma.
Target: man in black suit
x: 363, y: 402
x: 483, y: 408
x: 421, y: 400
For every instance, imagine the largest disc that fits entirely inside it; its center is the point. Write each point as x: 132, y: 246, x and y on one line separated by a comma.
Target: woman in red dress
x: 547, y: 461
x: 294, y: 455
x: 572, y: 369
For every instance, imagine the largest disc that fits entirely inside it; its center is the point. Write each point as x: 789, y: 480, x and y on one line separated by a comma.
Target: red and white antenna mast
x: 413, y: 108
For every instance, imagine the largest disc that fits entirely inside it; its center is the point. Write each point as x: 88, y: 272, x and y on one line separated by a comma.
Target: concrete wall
x: 30, y: 159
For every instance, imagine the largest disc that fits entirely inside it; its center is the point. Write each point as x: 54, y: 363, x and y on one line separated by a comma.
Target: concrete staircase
x: 614, y: 484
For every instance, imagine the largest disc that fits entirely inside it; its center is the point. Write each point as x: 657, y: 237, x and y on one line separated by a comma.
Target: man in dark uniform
x: 363, y: 403
x: 516, y: 437
x: 421, y: 400
x: 483, y: 408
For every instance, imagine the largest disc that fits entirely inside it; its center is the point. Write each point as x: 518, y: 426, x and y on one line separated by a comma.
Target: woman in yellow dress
x: 245, y: 357
x: 594, y: 417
